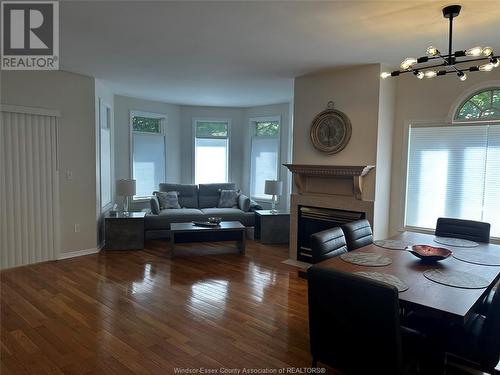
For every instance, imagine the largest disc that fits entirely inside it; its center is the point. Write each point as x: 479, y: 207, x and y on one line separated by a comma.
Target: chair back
x: 327, y: 244
x: 358, y: 234
x: 464, y: 229
x: 489, y: 339
x: 354, y: 323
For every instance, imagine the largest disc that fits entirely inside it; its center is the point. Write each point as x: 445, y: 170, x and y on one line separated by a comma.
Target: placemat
x: 385, y: 278
x: 457, y: 242
x: 457, y: 279
x: 392, y: 244
x: 366, y: 259
x: 477, y: 257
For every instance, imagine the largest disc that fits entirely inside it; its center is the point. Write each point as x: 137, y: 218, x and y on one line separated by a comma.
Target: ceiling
x: 244, y: 53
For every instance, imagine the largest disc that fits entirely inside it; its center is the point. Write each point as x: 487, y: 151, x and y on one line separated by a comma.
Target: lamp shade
x: 125, y: 188
x: 273, y: 187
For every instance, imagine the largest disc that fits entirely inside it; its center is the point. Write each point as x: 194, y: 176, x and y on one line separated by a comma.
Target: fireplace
x: 314, y: 219
x: 325, y: 196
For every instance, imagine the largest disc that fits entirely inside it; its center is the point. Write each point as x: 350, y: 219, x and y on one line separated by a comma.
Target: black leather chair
x: 464, y: 229
x: 358, y: 234
x: 327, y: 244
x: 354, y: 324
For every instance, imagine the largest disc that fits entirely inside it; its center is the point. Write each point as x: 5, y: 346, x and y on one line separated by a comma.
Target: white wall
x: 123, y: 106
x: 74, y: 96
x: 430, y: 101
x: 283, y: 111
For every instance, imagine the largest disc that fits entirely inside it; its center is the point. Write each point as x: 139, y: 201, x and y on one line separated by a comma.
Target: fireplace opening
x: 315, y: 219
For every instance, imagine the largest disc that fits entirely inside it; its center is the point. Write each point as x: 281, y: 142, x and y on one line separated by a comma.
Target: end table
x: 272, y: 227
x: 124, y: 232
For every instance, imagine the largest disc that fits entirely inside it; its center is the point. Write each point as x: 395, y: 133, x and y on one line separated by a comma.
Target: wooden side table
x: 124, y: 232
x: 272, y: 228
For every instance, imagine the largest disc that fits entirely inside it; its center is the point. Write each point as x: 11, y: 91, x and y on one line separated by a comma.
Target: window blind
x: 264, y: 164
x: 211, y: 160
x: 453, y: 171
x: 149, y: 162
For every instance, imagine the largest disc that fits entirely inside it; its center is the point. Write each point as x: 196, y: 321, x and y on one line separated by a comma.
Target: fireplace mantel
x: 303, y: 174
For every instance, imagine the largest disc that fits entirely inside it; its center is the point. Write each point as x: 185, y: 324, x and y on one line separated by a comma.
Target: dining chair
x: 465, y: 229
x: 327, y: 244
x: 478, y: 342
x: 358, y: 234
x: 354, y: 324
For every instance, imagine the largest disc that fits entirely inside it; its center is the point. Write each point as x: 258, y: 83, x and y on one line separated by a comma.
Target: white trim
x: 194, y: 120
x: 106, y: 106
x: 30, y: 110
x: 79, y: 253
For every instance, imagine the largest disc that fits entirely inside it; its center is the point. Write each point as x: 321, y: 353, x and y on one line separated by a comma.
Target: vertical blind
x: 453, y: 171
x: 29, y: 189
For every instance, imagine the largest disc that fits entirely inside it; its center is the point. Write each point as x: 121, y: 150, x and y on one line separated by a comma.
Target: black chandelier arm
x: 445, y: 64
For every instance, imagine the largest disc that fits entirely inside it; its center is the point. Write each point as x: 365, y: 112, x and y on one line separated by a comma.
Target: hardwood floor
x: 138, y: 312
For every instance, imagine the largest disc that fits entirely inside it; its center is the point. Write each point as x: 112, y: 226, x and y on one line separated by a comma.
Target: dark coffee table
x: 226, y: 231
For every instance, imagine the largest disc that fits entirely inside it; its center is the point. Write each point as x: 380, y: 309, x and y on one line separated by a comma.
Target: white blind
x: 264, y: 164
x: 211, y: 160
x: 149, y: 162
x: 454, y: 171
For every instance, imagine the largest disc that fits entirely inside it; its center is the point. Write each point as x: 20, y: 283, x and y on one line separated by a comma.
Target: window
x: 264, y: 155
x: 484, y: 105
x: 453, y: 171
x: 211, y: 151
x: 148, y: 152
x: 105, y: 154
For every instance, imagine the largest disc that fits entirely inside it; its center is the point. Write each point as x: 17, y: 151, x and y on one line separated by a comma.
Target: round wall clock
x: 330, y: 130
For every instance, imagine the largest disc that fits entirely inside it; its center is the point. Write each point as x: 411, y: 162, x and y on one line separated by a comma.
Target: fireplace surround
x: 330, y: 192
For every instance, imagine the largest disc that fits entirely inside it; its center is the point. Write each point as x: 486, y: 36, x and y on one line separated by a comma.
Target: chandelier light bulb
x: 432, y: 51
x: 384, y: 75
x: 408, y: 62
x: 486, y: 67
x: 495, y: 62
x: 487, y: 51
x: 430, y: 74
x: 462, y: 76
x: 474, y: 51
x: 420, y: 75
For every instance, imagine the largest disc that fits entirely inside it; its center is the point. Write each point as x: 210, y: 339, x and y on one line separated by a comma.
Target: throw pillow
x: 228, y: 198
x: 169, y: 199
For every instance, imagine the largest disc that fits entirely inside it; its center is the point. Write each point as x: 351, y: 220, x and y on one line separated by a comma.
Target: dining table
x: 429, y: 297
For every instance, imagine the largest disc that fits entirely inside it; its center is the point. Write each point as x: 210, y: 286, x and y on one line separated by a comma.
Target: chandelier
x: 434, y: 64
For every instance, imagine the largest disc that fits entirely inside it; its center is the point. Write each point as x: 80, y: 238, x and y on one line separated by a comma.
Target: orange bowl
x: 430, y: 253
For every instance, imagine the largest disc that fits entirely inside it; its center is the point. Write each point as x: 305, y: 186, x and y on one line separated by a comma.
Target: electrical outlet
x: 69, y: 175
x: 77, y: 228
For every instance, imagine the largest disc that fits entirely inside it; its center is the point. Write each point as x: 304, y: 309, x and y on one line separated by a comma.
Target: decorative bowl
x: 430, y: 253
x: 214, y: 220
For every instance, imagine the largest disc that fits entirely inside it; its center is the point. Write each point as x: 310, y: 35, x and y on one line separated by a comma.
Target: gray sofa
x: 199, y: 202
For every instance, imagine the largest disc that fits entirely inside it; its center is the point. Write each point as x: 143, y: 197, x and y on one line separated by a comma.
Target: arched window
x: 484, y: 105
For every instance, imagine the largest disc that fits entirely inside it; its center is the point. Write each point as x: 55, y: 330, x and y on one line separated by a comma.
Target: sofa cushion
x: 228, y: 199
x: 208, y: 194
x: 168, y: 199
x: 188, y: 194
x: 230, y: 214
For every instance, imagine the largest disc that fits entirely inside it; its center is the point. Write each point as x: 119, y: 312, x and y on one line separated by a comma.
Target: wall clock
x: 330, y: 130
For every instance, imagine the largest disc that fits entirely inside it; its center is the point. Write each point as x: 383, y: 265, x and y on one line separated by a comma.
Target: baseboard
x: 79, y: 253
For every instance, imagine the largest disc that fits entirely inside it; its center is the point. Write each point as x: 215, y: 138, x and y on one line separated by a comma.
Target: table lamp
x: 274, y: 188
x: 125, y: 189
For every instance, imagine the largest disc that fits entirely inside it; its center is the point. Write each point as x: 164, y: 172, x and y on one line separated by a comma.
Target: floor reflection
x: 208, y: 298
x: 146, y: 284
x: 260, y: 279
